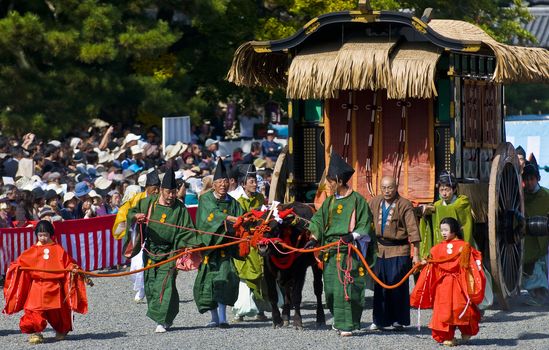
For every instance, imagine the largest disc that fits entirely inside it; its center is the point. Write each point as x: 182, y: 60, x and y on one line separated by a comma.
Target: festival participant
x: 160, y: 242
x: 45, y: 297
x: 344, y: 217
x: 250, y: 270
x: 132, y: 196
x: 250, y: 198
x: 536, y: 203
x: 396, y: 227
x: 453, y: 288
x: 450, y: 204
x: 521, y: 155
x: 216, y: 284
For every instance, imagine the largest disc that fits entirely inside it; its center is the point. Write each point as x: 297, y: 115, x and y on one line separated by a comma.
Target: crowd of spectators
x: 93, y: 172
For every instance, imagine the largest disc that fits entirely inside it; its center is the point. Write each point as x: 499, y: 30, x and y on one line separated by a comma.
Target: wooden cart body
x: 398, y: 96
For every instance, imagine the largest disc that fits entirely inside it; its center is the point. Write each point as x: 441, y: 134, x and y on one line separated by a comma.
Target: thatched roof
x: 406, y: 69
x: 413, y: 69
x: 322, y: 71
x: 513, y: 63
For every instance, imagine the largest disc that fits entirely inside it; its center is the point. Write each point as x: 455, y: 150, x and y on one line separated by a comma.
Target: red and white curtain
x: 88, y: 241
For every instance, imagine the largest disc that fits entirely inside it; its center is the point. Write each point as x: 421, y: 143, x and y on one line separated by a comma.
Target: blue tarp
x: 532, y: 133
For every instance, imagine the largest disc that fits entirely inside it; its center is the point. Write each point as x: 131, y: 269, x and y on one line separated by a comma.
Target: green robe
x: 429, y: 226
x: 254, y: 201
x: 329, y: 223
x: 216, y: 281
x: 535, y: 204
x: 251, y: 269
x: 160, y: 288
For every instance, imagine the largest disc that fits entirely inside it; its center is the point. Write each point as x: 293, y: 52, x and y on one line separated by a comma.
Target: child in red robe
x: 44, y: 296
x: 453, y: 284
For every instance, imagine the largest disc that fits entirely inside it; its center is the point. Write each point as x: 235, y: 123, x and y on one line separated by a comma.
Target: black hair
x: 44, y: 226
x: 49, y: 150
x: 447, y: 179
x: 454, y: 226
x: 338, y: 180
x: 91, y: 157
x: 256, y: 146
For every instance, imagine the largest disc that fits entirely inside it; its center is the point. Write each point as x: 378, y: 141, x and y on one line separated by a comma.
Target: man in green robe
x: 344, y: 217
x: 216, y: 284
x: 451, y: 205
x: 536, y: 203
x: 160, y: 243
x: 250, y: 270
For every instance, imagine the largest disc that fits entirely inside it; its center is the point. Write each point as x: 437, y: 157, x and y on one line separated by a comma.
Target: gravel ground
x: 115, y: 321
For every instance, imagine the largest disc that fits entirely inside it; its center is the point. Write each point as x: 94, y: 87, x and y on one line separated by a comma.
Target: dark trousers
x: 392, y: 305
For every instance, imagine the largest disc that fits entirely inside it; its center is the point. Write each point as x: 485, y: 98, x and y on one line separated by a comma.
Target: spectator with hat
x: 212, y: 146
x: 70, y: 206
x: 84, y: 207
x: 39, y: 200
x: 114, y: 200
x: 99, y: 208
x: 269, y: 147
x: 52, y: 201
x: 47, y: 213
x: 130, y: 140
x: 6, y: 212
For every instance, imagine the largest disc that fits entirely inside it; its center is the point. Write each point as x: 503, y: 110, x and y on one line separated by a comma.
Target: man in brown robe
x: 396, y: 228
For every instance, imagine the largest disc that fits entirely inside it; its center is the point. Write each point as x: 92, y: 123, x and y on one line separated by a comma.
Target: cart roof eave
x: 269, y: 63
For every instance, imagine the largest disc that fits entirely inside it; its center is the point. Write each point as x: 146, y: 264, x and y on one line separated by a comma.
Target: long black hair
x: 44, y: 226
x: 454, y: 226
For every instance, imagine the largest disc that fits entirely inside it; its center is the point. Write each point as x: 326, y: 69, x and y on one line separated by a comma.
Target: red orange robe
x: 453, y: 289
x: 45, y: 297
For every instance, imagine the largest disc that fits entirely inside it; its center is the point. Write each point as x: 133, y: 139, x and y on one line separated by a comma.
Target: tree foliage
x: 65, y: 61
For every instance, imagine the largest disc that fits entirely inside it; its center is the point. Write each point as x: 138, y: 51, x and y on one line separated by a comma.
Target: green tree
x: 65, y: 61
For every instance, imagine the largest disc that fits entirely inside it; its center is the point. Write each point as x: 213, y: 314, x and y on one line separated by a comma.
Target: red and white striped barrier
x: 88, y: 241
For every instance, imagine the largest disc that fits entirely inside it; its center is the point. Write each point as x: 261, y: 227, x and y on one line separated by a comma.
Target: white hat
x: 8, y: 180
x: 210, y: 142
x: 174, y: 150
x: 68, y: 196
x: 92, y: 194
x: 23, y: 182
x: 104, y: 157
x: 55, y: 143
x: 142, y: 179
x: 118, y: 153
x: 130, y: 137
x: 136, y: 149
x: 102, y: 183
x: 56, y: 187
x: 98, y: 123
x: 75, y: 141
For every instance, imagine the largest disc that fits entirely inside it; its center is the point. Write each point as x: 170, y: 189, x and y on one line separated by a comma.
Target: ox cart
x: 405, y: 96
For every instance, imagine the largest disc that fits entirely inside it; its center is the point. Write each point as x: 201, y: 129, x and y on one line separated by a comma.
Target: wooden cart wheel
x: 505, y: 233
